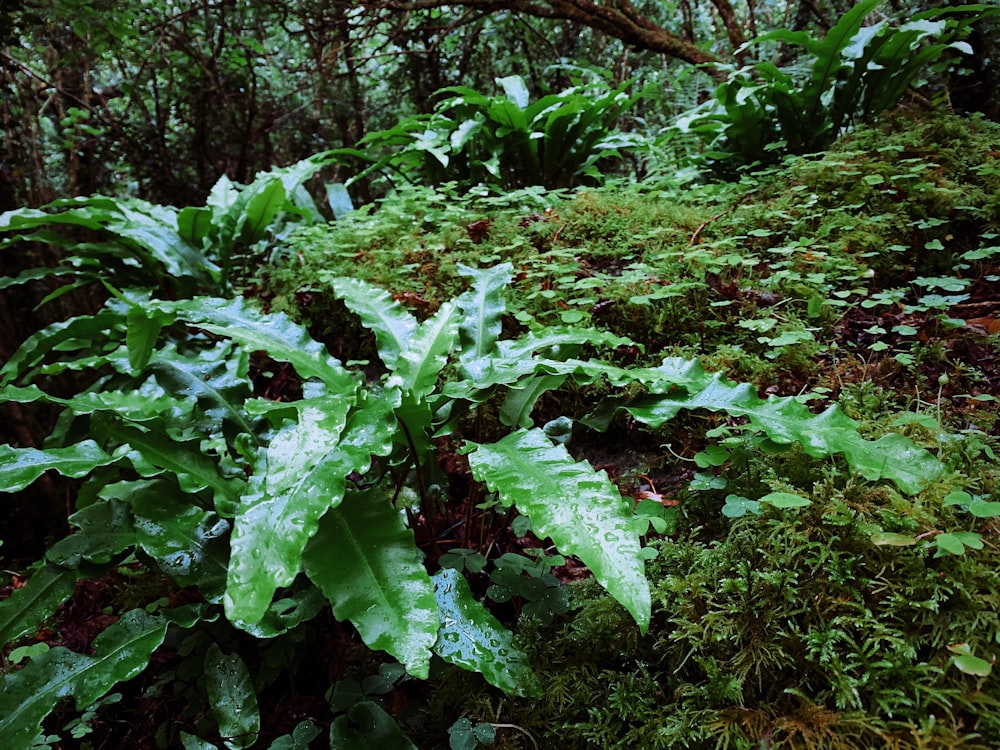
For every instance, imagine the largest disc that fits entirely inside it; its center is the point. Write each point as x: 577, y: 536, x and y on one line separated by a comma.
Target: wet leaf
x: 392, y: 325
x: 28, y: 606
x: 32, y: 693
x: 105, y: 530
x: 471, y: 638
x: 19, y: 467
x: 295, y: 480
x: 578, y: 508
x: 366, y: 562
x: 232, y: 697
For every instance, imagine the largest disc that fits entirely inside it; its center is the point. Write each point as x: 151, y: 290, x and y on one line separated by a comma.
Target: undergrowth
x: 861, y: 275
x: 797, y: 601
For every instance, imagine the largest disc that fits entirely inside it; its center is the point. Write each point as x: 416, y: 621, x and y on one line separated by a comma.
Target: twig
x: 699, y: 230
x: 520, y: 729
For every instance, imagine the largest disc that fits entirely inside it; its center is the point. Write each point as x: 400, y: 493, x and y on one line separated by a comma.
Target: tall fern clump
x: 506, y: 141
x: 853, y: 74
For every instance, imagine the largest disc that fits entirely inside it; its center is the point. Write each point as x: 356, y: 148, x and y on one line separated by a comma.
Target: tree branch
x: 616, y: 18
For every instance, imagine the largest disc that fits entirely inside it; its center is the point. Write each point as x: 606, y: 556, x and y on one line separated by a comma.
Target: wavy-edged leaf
x: 33, y: 274
x: 31, y: 604
x: 295, y: 480
x: 786, y: 420
x: 146, y: 230
x: 146, y: 403
x: 19, y: 467
x: 152, y: 453
x: 105, y: 531
x: 392, y: 325
x: 232, y: 697
x: 471, y: 638
x: 119, y: 653
x: 546, y: 353
x: 189, y: 544
x: 578, y: 508
x: 482, y: 308
x: 216, y: 379
x: 366, y: 562
x: 83, y: 328
x: 274, y: 333
x: 515, y: 411
x: 419, y: 366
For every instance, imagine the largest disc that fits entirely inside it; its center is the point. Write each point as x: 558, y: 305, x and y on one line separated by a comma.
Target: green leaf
x: 738, y: 506
x: 785, y: 500
x: 578, y: 508
x: 973, y: 665
x: 367, y: 564
x: 366, y: 726
x: 295, y: 480
x: 30, y: 605
x: 105, y: 530
x: 482, y: 308
x: 515, y: 411
x: 888, y: 538
x: 262, y: 204
x: 300, y: 738
x: 119, y: 653
x: 957, y: 542
x: 19, y: 467
x: 516, y: 90
x: 194, y: 224
x: 984, y: 509
x: 339, y: 199
x: 153, y: 452
x: 419, y: 366
x: 144, y: 230
x: 392, y: 325
x: 140, y: 336
x: 85, y: 328
x: 786, y: 420
x: 190, y: 742
x: 471, y: 638
x: 21, y: 653
x: 232, y: 697
x: 189, y: 544
x: 274, y: 333
x: 216, y: 379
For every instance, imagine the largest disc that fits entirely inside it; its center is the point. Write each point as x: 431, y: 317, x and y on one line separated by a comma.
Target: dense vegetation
x: 593, y: 418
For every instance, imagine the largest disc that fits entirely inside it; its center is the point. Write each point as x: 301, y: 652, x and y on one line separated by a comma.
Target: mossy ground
x: 866, y: 275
